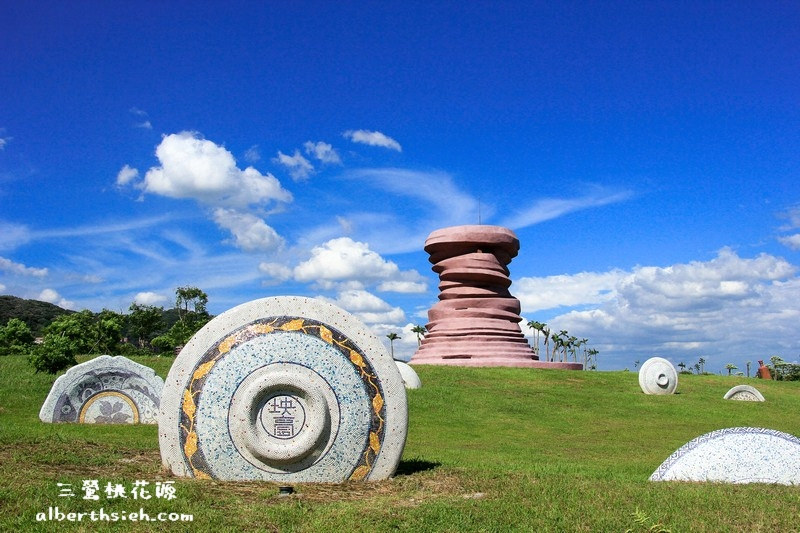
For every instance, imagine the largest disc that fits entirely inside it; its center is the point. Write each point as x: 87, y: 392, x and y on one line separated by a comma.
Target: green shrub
x: 15, y: 337
x: 55, y: 354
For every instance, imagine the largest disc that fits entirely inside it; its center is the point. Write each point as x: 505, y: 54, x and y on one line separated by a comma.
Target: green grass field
x: 488, y: 450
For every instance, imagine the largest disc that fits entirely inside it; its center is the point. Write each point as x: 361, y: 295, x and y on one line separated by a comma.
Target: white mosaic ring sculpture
x: 658, y: 376
x: 409, y: 375
x: 744, y: 393
x: 104, y: 390
x: 284, y: 389
x: 735, y: 455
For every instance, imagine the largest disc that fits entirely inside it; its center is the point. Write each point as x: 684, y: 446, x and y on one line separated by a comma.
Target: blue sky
x: 646, y: 154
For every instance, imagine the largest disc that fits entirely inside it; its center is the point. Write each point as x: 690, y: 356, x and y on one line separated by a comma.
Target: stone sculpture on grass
x: 105, y: 390
x: 476, y: 320
x: 744, y: 393
x: 658, y: 376
x: 735, y: 455
x: 283, y: 389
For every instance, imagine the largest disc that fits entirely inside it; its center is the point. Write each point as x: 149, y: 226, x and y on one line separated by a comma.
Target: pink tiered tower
x: 476, y: 321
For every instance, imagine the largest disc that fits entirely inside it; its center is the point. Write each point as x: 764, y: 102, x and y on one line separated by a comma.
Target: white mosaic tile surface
x: 409, y: 375
x: 104, y: 390
x: 283, y: 389
x: 744, y: 393
x: 735, y: 455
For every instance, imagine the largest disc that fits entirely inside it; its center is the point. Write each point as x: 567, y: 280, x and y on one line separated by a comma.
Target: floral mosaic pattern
x: 191, y: 397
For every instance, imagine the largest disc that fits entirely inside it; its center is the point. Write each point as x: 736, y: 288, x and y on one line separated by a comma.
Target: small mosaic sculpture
x: 735, y: 455
x: 409, y: 375
x: 658, y: 376
x: 744, y: 393
x: 284, y: 389
x: 104, y: 390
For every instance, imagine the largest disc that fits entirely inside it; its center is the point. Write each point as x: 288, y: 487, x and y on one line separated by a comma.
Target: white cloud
x: 368, y: 307
x: 252, y: 155
x: 323, y: 152
x: 150, y: 298
x: 145, y: 124
x: 126, y: 175
x: 250, y: 233
x: 792, y: 241
x: 13, y: 235
x: 372, y: 138
x: 17, y: 268
x: 726, y: 308
x: 192, y: 167
x: 551, y: 208
x: 343, y: 259
x: 407, y: 287
x: 276, y: 271
x: 4, y: 142
x: 299, y: 167
x: 551, y: 292
x: 2, y: 288
x: 51, y: 296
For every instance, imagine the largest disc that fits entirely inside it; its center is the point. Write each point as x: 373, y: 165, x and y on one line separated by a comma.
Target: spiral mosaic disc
x: 284, y: 389
x: 104, y: 390
x: 658, y: 376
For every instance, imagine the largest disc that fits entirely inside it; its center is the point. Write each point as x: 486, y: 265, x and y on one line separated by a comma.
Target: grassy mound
x: 491, y: 449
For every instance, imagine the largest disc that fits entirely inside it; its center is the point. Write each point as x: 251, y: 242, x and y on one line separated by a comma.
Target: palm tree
x: 537, y: 329
x: 730, y: 366
x: 748, y: 368
x: 702, y: 363
x: 546, y: 332
x: 593, y: 358
x: 636, y: 364
x: 697, y: 367
x: 392, y: 337
x: 419, y: 330
x: 682, y: 366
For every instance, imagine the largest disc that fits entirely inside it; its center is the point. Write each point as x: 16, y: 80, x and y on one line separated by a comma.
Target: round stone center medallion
x: 283, y: 416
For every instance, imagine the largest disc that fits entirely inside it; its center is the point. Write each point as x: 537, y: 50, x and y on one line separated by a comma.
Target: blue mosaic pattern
x: 209, y: 448
x: 735, y: 455
x: 100, y: 376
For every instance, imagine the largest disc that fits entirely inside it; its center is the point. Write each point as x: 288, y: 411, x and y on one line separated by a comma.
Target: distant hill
x: 33, y: 312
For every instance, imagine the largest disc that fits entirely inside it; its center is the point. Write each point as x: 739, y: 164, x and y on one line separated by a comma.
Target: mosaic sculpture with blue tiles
x: 104, y: 390
x: 284, y: 389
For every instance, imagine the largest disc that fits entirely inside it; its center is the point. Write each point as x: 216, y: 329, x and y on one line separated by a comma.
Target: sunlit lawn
x: 488, y: 450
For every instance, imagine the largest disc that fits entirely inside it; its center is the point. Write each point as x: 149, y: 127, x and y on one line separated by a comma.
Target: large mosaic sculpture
x: 735, y: 455
x: 658, y: 376
x: 283, y: 389
x: 476, y: 321
x: 104, y: 390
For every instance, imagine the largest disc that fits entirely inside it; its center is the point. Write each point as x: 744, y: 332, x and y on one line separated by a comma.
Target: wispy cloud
x: 8, y: 265
x: 300, y: 168
x: 552, y: 208
x: 143, y: 117
x: 373, y: 138
x: 323, y: 152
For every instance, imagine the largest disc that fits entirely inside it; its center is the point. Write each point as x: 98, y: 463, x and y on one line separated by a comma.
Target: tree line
x: 565, y: 347
x: 145, y: 330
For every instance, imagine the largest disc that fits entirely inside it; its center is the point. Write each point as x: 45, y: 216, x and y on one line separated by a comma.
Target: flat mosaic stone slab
x: 744, y: 393
x: 735, y: 455
x: 285, y: 389
x: 105, y: 390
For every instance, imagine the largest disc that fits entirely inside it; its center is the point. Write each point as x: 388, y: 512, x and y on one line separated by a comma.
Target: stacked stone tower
x: 476, y: 321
